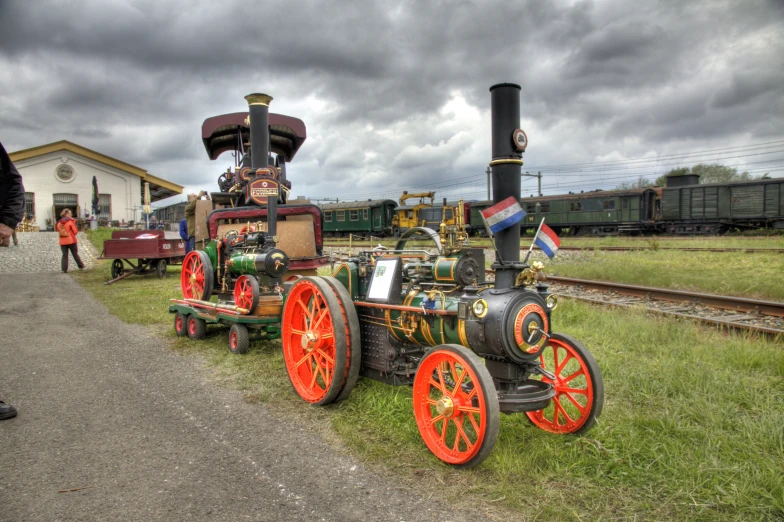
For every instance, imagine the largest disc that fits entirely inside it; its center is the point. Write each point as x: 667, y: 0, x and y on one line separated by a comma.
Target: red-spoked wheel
x: 353, y: 342
x: 579, y: 390
x: 196, y: 278
x: 456, y: 405
x: 238, y: 339
x: 180, y: 327
x: 314, y: 341
x: 246, y: 293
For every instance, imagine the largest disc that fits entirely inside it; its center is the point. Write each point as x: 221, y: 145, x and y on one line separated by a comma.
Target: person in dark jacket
x: 184, y: 234
x: 66, y: 227
x: 12, y: 203
x: 12, y: 198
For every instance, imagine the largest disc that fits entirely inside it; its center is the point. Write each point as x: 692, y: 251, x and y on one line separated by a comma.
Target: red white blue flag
x: 503, y: 215
x: 547, y: 241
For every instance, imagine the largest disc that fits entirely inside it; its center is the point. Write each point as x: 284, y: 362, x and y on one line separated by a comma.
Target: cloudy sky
x: 395, y: 94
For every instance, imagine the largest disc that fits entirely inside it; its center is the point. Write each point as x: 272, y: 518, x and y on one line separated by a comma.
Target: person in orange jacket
x: 66, y: 227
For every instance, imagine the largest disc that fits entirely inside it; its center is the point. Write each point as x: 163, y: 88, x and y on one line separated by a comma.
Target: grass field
x: 692, y: 428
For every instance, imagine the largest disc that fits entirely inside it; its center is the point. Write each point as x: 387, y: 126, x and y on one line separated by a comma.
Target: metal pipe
x: 506, y: 167
x: 258, y: 112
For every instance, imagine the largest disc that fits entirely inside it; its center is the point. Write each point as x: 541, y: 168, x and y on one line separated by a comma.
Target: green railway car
x: 691, y: 208
x: 602, y: 212
x: 371, y: 217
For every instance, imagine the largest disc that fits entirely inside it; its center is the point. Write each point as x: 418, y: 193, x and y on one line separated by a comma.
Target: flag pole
x: 534, y: 241
x: 492, y: 240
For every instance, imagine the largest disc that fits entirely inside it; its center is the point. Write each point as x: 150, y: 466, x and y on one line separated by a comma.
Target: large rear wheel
x: 353, y: 341
x: 314, y: 341
x: 197, y: 278
x: 456, y: 405
x: 579, y: 390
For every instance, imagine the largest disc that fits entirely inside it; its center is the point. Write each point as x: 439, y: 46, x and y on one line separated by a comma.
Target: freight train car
x: 371, y: 217
x: 691, y: 208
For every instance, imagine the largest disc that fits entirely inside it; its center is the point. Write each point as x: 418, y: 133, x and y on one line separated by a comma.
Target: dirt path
x: 107, y: 407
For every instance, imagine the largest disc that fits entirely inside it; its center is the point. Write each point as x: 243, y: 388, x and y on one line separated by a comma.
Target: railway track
x: 630, y: 248
x: 737, y: 313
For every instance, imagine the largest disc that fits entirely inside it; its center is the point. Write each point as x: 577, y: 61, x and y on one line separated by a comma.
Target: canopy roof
x: 220, y: 133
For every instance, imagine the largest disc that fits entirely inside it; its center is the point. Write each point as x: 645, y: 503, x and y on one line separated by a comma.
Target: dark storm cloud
x: 371, y: 80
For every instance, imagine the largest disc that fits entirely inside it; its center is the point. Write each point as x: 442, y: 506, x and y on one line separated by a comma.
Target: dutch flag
x: 547, y: 241
x: 503, y: 215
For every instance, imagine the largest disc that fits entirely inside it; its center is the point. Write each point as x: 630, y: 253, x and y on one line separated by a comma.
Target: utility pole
x: 537, y: 175
x: 488, y: 172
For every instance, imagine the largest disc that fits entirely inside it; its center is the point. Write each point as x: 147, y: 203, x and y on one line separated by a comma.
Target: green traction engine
x: 424, y: 314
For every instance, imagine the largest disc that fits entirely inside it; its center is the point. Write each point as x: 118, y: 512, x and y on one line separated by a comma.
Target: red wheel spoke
x: 432, y: 421
x: 297, y: 332
x: 472, y: 394
x: 459, y: 379
x: 577, y: 405
x: 326, y: 357
x: 304, y: 308
x: 444, y: 427
x: 468, y: 409
x: 473, y: 422
x: 461, y: 432
x: 437, y: 385
x: 581, y: 391
x: 304, y: 359
x: 324, y: 313
x: 555, y: 359
x: 559, y: 407
x: 560, y: 368
x: 572, y: 376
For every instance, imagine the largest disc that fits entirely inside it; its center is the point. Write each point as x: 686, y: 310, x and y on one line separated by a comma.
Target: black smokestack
x: 506, y: 168
x: 258, y: 112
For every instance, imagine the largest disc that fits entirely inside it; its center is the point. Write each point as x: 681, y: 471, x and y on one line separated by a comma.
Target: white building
x: 60, y: 175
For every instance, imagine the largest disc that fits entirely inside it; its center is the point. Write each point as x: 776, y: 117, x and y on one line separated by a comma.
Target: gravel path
x: 114, y: 425
x: 40, y: 252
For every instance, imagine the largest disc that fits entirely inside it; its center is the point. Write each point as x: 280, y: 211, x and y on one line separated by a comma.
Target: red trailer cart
x: 153, y: 251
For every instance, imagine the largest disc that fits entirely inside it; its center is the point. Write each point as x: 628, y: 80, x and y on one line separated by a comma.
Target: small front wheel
x: 238, y: 339
x: 180, y: 327
x: 579, y: 390
x: 456, y: 405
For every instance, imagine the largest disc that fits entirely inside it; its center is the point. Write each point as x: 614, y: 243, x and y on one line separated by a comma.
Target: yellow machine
x: 422, y: 214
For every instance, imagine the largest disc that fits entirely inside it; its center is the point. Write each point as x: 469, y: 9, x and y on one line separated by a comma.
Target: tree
x: 714, y: 173
x: 719, y: 173
x: 640, y: 183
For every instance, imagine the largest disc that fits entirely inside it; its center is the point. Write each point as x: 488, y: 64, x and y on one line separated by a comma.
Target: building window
x: 625, y: 203
x: 353, y: 215
x: 577, y: 206
x: 546, y: 206
x: 364, y: 214
x: 530, y: 207
x: 327, y: 216
x: 609, y: 204
x: 30, y: 204
x: 341, y: 215
x: 104, y: 206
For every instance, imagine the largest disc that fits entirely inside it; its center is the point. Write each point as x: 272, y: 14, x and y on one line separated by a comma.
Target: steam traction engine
x: 426, y: 317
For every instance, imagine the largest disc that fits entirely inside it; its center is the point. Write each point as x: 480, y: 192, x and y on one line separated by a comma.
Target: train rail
x: 738, y: 313
x: 633, y: 248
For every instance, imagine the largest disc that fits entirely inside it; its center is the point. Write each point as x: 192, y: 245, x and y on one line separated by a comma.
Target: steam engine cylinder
x: 272, y: 263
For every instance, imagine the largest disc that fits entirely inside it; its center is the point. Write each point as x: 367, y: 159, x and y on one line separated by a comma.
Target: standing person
x: 12, y: 203
x: 184, y: 234
x: 190, y: 216
x: 66, y: 227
